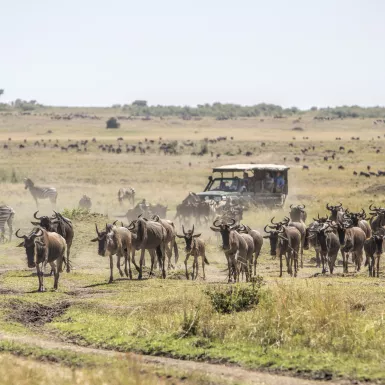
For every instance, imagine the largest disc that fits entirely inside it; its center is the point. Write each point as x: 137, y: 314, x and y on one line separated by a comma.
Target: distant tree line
x: 222, y: 111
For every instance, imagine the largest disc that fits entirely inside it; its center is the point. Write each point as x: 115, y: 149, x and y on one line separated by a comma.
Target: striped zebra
x: 126, y: 193
x: 6, y: 215
x: 41, y: 192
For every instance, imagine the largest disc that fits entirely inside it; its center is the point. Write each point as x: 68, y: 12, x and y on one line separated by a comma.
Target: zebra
x: 6, y: 215
x: 126, y: 193
x: 41, y: 192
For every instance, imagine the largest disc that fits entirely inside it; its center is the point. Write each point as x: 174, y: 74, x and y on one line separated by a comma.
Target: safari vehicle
x: 256, y: 183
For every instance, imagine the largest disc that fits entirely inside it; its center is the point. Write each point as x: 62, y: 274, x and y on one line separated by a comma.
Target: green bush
x: 235, y: 298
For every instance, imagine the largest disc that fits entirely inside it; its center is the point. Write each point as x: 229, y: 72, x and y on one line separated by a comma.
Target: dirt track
x: 216, y: 372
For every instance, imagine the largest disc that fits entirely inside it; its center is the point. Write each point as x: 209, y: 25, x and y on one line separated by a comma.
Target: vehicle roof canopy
x: 250, y: 167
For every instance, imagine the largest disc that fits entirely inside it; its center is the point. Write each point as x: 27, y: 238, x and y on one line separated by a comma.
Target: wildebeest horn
x: 192, y: 231
x: 23, y: 236
x: 338, y: 206
x: 156, y: 218
x: 214, y: 223
x: 327, y: 206
x: 34, y: 215
x: 266, y: 231
x: 233, y: 222
x: 114, y: 223
x: 274, y: 223
x: 97, y: 231
x: 131, y: 226
x: 303, y: 206
x: 372, y: 209
x: 291, y: 206
x: 41, y: 233
x: 139, y: 215
x: 184, y: 232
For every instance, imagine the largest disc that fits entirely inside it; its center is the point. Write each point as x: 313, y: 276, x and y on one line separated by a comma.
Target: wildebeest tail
x: 206, y: 261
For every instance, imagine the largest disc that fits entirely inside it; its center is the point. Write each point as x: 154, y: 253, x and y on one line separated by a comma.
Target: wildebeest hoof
x: 140, y: 276
x: 110, y: 280
x: 68, y: 270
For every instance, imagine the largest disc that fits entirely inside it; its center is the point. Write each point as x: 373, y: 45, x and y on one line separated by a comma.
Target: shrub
x: 235, y: 298
x: 112, y: 123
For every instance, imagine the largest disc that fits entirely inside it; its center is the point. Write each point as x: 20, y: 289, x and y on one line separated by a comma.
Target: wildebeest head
x: 355, y: 217
x: 334, y: 210
x: 29, y: 244
x: 45, y: 222
x: 188, y: 237
x: 297, y: 213
x: 102, y: 239
x: 273, y: 238
x: 224, y: 229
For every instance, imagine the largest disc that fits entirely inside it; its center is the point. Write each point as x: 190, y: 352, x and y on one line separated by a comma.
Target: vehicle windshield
x: 225, y: 184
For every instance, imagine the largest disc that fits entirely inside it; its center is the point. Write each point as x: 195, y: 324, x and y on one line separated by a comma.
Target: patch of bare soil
x: 375, y: 189
x: 34, y: 314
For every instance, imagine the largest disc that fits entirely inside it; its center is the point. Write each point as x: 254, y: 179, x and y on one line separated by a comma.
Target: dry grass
x: 336, y: 320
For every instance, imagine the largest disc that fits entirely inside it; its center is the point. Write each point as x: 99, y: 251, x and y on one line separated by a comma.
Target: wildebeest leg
x: 317, y: 258
x: 40, y: 275
x: 228, y: 267
x: 193, y: 275
x: 358, y: 259
x: 185, y: 265
x: 133, y: 260
x: 68, y: 266
x: 345, y: 257
x: 203, y: 265
x: 302, y: 243
x: 169, y: 255
x: 378, y: 265
x: 127, y: 262
x: 370, y: 264
x: 163, y: 250
x: 118, y: 264
x: 2, y: 237
x: 323, y: 260
x: 111, y: 269
x: 280, y: 265
x: 141, y: 263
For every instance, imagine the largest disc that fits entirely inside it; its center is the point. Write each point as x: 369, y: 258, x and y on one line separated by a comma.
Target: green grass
x: 313, y: 325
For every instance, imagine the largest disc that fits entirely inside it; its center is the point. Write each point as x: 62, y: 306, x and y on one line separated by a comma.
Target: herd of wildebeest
x: 344, y: 231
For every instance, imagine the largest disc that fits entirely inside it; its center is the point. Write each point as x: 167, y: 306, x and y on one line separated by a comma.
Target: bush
x: 235, y: 298
x: 112, y: 123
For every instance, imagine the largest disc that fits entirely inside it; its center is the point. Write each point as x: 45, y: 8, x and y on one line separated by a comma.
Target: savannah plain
x: 311, y: 328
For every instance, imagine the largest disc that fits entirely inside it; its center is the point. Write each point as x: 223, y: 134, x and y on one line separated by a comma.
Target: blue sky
x: 97, y: 53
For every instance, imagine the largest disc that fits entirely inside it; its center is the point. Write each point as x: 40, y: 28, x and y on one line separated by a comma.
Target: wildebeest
x: 150, y: 235
x: 329, y: 245
x: 115, y: 240
x: 170, y: 238
x: 85, y: 202
x: 373, y: 250
x: 258, y: 242
x: 233, y: 245
x: 44, y: 247
x: 358, y: 220
x: 285, y: 242
x: 7, y: 214
x: 352, y: 241
x: 336, y: 213
x: 298, y: 213
x: 60, y: 225
x: 378, y: 217
x: 41, y: 192
x: 126, y: 193
x: 196, y: 248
